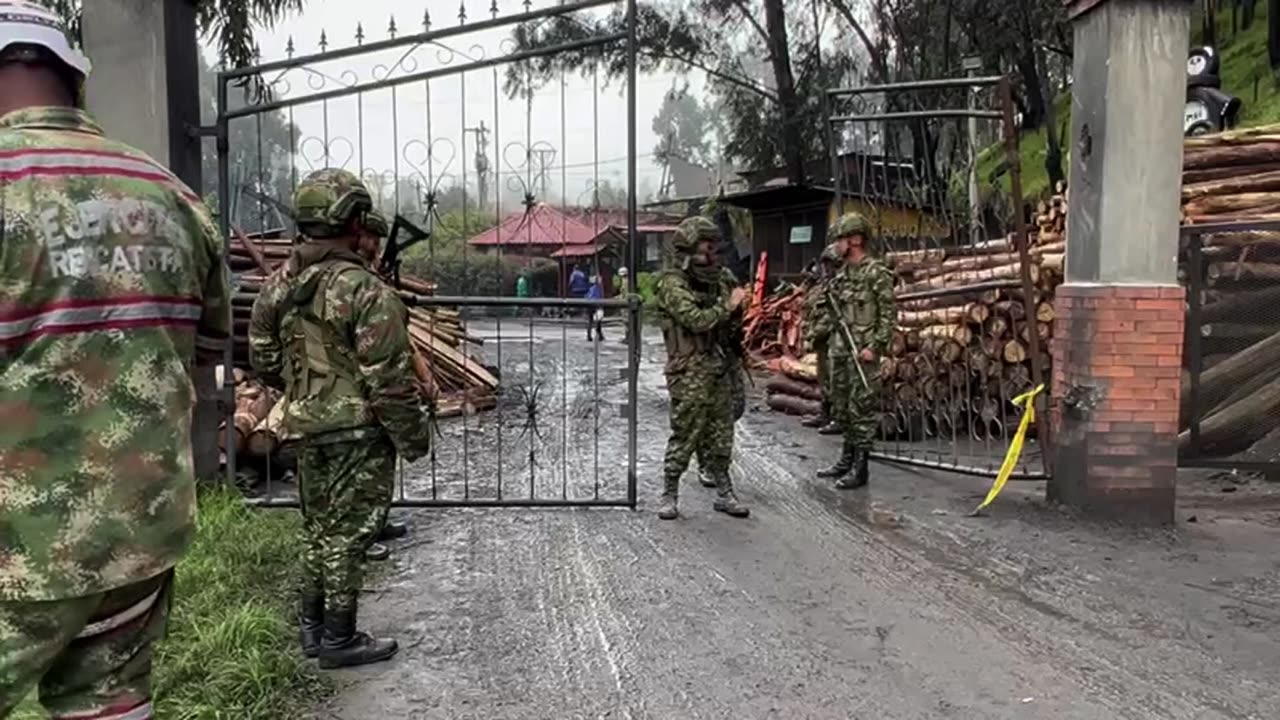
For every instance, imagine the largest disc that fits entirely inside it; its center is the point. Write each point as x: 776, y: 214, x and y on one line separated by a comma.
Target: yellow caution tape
x: 1026, y: 401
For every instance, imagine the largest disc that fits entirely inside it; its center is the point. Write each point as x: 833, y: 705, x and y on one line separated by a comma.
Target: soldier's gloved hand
x: 738, y: 297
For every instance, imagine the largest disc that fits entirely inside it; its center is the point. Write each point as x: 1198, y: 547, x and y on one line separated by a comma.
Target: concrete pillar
x: 1118, y: 343
x: 145, y: 92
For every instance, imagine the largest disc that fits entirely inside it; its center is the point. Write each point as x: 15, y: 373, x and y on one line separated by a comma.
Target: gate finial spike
x: 426, y: 20
x: 462, y: 12
x: 493, y: 9
x: 528, y: 5
x: 288, y: 48
x: 324, y: 41
x: 359, y: 33
x: 391, y: 28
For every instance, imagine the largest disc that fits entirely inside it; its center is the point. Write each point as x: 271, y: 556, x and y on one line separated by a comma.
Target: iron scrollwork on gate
x: 536, y: 411
x: 942, y: 188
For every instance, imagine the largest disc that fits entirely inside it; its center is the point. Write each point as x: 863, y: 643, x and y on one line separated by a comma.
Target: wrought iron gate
x: 973, y: 333
x: 404, y: 113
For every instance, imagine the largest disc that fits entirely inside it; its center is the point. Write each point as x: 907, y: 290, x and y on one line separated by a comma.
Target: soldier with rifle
x: 861, y: 313
x: 818, y: 336
x: 336, y: 333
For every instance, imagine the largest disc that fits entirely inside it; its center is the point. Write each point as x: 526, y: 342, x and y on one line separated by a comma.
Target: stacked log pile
x: 962, y: 347
x: 1233, y: 177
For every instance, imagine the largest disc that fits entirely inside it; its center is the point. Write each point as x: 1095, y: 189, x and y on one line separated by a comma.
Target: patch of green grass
x: 231, y: 650
x: 1033, y: 148
x: 1246, y: 70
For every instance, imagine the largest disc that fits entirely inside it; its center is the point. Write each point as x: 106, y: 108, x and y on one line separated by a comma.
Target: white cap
x: 622, y: 271
x: 24, y: 23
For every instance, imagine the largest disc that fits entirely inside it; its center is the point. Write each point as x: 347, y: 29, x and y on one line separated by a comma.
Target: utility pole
x: 971, y: 67
x: 546, y: 156
x: 481, y: 163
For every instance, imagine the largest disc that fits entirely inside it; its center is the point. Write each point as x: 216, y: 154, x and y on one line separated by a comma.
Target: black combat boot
x: 311, y: 623
x: 842, y: 466
x: 817, y: 421
x: 668, y: 505
x: 342, y: 646
x: 706, y: 480
x: 392, y: 531
x: 831, y: 428
x: 377, y: 552
x: 858, y: 478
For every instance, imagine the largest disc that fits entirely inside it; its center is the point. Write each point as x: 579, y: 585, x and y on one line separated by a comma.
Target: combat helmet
x: 849, y: 224
x: 327, y: 200
x: 683, y: 244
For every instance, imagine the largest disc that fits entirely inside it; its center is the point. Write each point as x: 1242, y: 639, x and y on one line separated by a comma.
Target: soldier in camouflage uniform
x: 863, y: 293
x: 337, y: 335
x: 112, y: 284
x: 699, y: 308
x: 818, y: 335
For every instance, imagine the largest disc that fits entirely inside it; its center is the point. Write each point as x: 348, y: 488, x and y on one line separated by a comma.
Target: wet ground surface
x: 885, y: 603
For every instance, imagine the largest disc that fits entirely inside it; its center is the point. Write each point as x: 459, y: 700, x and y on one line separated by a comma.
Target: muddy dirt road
x: 883, y: 604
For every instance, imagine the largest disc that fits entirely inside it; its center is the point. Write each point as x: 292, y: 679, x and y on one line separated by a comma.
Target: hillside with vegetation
x: 1245, y: 71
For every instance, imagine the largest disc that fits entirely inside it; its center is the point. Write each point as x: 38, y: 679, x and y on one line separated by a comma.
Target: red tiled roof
x: 549, y: 225
x: 577, y: 251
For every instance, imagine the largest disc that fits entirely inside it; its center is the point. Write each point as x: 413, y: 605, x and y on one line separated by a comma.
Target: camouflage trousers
x: 854, y: 406
x: 702, y: 418
x: 345, y: 489
x: 89, y: 656
x: 824, y: 377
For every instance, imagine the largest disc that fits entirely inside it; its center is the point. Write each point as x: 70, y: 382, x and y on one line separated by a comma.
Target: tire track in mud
x: 982, y: 600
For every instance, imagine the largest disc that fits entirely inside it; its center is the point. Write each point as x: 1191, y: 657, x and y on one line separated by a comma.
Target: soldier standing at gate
x: 698, y: 305
x: 818, y: 332
x: 337, y: 335
x: 112, y: 283
x: 865, y: 310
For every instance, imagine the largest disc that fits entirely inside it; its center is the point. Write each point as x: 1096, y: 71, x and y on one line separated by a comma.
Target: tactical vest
x: 316, y: 367
x: 683, y: 344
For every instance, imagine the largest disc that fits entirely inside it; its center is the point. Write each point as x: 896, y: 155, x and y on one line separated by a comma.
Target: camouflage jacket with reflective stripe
x: 111, y: 281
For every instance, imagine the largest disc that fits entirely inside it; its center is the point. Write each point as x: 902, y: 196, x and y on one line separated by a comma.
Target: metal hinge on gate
x: 624, y: 410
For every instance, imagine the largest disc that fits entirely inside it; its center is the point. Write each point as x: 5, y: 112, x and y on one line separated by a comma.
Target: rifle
x: 848, y: 335
x: 389, y: 263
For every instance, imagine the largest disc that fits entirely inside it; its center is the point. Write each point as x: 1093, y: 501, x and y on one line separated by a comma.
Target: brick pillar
x: 1117, y: 361
x: 1117, y: 349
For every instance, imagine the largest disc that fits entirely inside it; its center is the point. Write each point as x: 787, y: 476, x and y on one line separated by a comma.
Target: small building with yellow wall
x: 789, y: 222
